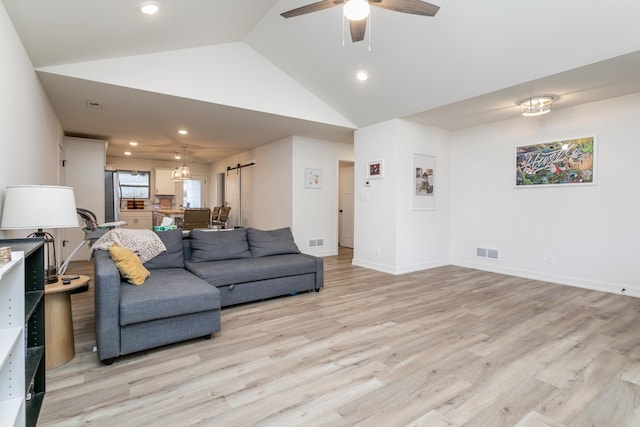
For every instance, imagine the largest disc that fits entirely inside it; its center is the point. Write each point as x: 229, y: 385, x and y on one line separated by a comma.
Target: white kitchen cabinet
x: 165, y: 186
x: 137, y: 220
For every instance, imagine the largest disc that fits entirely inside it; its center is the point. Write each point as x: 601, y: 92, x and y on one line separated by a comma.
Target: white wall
x: 315, y: 210
x: 221, y: 74
x: 590, y: 233
x: 423, y: 236
x: 375, y: 222
x: 29, y: 130
x: 266, y: 198
x: 389, y: 235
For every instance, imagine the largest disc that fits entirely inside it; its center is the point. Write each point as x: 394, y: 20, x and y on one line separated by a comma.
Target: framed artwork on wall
x: 423, y: 182
x: 564, y: 162
x: 375, y: 169
x: 312, y: 178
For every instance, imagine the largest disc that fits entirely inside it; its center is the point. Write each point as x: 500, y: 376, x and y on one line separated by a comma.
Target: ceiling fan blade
x: 414, y: 7
x: 313, y: 7
x: 357, y: 29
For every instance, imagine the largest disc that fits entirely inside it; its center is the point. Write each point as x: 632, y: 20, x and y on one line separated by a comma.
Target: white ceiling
x: 465, y: 66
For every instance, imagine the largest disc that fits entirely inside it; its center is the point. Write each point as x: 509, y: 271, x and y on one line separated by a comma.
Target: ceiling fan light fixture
x: 536, y: 105
x: 356, y: 10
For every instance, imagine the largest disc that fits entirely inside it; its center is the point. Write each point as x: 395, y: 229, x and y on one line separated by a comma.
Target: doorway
x: 194, y: 192
x: 346, y: 204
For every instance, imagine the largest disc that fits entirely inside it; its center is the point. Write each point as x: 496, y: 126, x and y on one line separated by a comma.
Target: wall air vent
x: 493, y: 254
x: 313, y: 243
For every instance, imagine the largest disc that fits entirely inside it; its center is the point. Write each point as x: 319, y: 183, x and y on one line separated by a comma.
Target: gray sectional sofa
x: 191, y: 281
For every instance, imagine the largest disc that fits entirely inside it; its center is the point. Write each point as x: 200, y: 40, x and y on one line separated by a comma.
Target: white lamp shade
x: 38, y: 206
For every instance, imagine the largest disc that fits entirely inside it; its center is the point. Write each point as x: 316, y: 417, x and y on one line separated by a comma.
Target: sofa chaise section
x: 171, y: 306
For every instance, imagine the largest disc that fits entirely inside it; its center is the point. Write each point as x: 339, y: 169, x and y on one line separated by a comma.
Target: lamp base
x: 50, y: 261
x: 50, y: 275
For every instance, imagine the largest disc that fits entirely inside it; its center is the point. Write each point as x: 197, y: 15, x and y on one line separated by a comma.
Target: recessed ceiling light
x: 362, y: 75
x: 127, y: 153
x: 133, y: 143
x: 183, y: 132
x: 149, y: 7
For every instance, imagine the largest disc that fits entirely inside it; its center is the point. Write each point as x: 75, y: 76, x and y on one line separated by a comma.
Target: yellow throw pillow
x: 128, y: 264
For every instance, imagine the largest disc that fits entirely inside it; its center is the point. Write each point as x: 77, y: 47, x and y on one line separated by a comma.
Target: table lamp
x: 40, y: 206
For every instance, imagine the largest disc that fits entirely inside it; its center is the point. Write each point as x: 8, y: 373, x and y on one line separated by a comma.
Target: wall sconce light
x: 536, y: 105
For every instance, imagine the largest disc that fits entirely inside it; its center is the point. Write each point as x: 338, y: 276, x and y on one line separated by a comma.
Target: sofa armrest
x: 107, y: 305
x: 319, y: 271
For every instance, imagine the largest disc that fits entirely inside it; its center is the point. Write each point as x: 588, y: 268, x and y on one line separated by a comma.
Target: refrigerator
x: 111, y: 196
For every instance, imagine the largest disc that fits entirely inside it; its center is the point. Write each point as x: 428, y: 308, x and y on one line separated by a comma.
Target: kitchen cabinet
x: 22, y: 344
x: 137, y: 220
x: 165, y: 186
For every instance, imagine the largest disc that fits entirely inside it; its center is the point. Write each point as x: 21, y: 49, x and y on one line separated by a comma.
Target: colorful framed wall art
x: 565, y: 162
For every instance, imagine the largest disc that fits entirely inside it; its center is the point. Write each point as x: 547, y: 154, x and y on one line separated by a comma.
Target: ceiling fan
x: 358, y: 23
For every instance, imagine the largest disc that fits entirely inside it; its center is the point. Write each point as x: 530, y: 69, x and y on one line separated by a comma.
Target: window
x: 134, y: 184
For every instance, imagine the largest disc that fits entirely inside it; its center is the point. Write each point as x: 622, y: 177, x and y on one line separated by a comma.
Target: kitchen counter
x: 159, y: 214
x: 170, y: 211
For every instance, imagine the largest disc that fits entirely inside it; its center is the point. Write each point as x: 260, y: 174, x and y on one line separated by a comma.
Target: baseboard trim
x: 577, y: 282
x: 399, y: 270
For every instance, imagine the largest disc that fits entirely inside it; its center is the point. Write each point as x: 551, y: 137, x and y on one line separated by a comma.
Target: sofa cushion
x: 171, y: 258
x: 271, y: 242
x: 209, y: 245
x: 167, y: 293
x: 222, y: 273
x: 128, y: 264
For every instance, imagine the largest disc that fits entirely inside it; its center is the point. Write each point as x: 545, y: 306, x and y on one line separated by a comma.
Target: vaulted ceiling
x: 238, y: 75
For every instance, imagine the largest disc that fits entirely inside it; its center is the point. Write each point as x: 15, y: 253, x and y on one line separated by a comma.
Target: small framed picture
x: 375, y: 169
x: 312, y: 178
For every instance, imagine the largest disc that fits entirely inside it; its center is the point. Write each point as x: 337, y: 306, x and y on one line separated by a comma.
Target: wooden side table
x: 60, y: 347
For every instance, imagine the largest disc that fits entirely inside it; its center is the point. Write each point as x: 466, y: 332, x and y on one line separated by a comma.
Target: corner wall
x: 274, y: 195
x: 315, y: 210
x: 266, y: 195
x: 389, y: 235
x: 584, y: 236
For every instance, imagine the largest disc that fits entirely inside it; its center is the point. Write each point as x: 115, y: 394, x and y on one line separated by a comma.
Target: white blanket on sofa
x: 144, y: 243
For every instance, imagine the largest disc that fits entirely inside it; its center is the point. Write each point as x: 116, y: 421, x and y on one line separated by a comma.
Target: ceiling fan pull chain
x: 370, y: 29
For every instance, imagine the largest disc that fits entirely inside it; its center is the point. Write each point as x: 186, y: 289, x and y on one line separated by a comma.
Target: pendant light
x: 183, y: 172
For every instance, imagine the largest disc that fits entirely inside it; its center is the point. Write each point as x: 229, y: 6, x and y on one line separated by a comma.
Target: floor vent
x: 488, y: 253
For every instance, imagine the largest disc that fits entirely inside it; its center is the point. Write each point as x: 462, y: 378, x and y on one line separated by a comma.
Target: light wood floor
x: 443, y: 347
